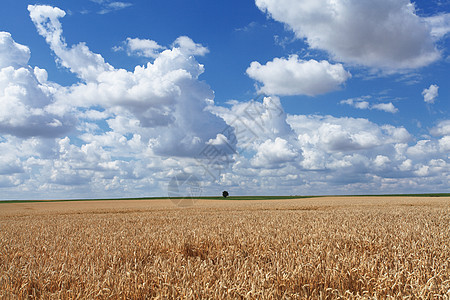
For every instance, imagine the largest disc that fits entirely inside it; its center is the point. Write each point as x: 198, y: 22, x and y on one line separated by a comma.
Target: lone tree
x: 225, y: 194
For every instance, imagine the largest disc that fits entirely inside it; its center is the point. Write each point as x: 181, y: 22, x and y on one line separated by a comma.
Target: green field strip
x: 232, y: 197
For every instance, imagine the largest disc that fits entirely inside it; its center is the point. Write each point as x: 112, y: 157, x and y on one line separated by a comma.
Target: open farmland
x: 329, y: 247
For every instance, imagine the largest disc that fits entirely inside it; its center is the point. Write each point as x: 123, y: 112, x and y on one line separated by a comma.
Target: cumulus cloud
x: 387, y: 107
x: 381, y: 161
x: 12, y: 53
x: 79, y: 59
x: 272, y: 154
x: 294, y: 76
x: 10, y: 164
x: 140, y: 47
x: 25, y: 95
x: 255, y: 121
x: 444, y: 144
x: 442, y: 128
x: 322, y: 152
x: 189, y: 47
x: 164, y: 96
x: 367, y: 155
x: 376, y: 34
x: 345, y: 134
x: 329, y: 154
x: 430, y: 94
x: 291, y: 154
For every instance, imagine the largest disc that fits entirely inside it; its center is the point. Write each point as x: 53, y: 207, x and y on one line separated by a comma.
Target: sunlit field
x: 328, y: 248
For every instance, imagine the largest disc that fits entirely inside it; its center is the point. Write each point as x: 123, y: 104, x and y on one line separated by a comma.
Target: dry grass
x: 327, y: 248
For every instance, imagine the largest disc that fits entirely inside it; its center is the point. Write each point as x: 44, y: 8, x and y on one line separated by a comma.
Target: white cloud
x: 423, y: 149
x: 375, y: 34
x: 188, y: 46
x: 112, y: 6
x: 151, y: 49
x: 430, y: 94
x: 333, y: 155
x: 25, y: 96
x: 165, y: 96
x: 294, y: 76
x: 361, y: 103
x: 346, y: 149
x: 444, y: 144
x: 406, y: 165
x: 442, y: 128
x: 440, y: 24
x: 255, y: 122
x: 220, y: 140
x: 345, y: 134
x: 140, y: 47
x: 271, y: 154
x: 93, y: 114
x: 305, y: 155
x: 79, y: 59
x: 387, y: 107
x: 12, y: 53
x: 108, y: 6
x: 351, y: 156
x: 10, y: 164
x: 381, y: 160
x: 118, y: 5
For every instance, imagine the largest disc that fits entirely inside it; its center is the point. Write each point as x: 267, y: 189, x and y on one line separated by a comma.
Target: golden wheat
x: 326, y: 248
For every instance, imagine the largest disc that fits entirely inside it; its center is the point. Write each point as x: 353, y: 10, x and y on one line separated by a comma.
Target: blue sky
x: 105, y: 98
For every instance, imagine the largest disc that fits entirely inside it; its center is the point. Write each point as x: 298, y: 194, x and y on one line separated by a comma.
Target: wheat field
x: 318, y: 248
